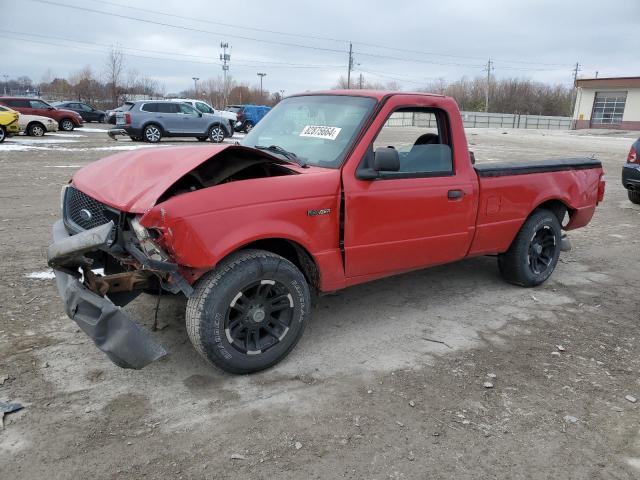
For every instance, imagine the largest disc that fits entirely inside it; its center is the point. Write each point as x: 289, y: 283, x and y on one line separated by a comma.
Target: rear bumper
x: 112, y: 330
x: 631, y: 176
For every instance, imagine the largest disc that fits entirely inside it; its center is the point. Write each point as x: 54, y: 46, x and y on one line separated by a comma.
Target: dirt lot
x: 366, y: 393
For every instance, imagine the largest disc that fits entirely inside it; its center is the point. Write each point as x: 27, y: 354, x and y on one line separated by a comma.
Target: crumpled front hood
x: 133, y: 181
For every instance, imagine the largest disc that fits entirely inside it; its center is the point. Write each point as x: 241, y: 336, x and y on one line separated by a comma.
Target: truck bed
x: 501, y: 169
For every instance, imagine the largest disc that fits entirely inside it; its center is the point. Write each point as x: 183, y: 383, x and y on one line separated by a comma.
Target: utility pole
x: 261, y: 75
x: 488, y: 68
x: 224, y: 58
x: 6, y: 83
x: 195, y: 86
x: 575, y: 73
x: 360, y: 81
x: 350, y: 67
x: 575, y: 87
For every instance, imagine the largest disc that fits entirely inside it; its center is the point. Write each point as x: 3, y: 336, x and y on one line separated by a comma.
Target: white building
x: 607, y: 103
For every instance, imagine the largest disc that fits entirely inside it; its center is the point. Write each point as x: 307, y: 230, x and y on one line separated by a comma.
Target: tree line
x: 506, y: 95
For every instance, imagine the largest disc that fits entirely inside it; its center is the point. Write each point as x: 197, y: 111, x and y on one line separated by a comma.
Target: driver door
x: 421, y: 215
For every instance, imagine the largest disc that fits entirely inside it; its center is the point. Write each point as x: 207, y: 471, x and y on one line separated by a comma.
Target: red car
x: 331, y: 189
x: 67, y: 119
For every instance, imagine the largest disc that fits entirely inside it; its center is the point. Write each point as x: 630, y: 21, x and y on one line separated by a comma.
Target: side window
x: 421, y: 137
x: 168, y: 107
x: 85, y: 107
x: 188, y: 109
x: 38, y: 104
x: 204, y: 108
x: 149, y: 107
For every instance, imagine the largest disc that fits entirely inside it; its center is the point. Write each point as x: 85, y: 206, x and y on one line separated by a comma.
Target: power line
x: 180, y: 27
x: 231, y: 25
x: 252, y: 63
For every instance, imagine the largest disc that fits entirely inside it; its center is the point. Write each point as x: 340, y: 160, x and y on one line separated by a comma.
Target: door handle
x: 455, y: 194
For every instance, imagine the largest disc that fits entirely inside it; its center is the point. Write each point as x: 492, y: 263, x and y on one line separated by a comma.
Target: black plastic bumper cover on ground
x: 125, y: 343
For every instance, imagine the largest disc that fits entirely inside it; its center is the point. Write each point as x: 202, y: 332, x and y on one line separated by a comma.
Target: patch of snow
x: 92, y: 130
x: 72, y: 135
x: 44, y: 275
x: 42, y: 140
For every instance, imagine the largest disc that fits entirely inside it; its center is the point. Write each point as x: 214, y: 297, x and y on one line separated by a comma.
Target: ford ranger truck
x: 329, y: 190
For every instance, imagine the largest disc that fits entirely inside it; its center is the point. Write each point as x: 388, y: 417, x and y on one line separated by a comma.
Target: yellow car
x: 8, y: 124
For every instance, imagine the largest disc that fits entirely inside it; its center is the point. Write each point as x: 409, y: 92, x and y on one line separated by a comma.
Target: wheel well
x: 293, y: 252
x: 153, y: 123
x: 557, y: 207
x: 35, y: 122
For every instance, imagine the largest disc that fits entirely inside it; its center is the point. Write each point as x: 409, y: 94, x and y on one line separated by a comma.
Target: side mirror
x: 386, y: 159
x: 472, y: 157
x: 199, y: 114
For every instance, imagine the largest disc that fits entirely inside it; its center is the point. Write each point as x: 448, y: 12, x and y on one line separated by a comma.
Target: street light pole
x: 261, y: 75
x: 6, y: 82
x: 195, y: 85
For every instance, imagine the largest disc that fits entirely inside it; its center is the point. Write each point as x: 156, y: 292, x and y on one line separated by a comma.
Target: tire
x: 248, y: 126
x: 67, y: 125
x: 202, y: 139
x: 227, y: 308
x: 231, y: 129
x: 216, y: 134
x: 634, y: 196
x: 534, y: 253
x: 3, y: 134
x: 101, y: 119
x: 152, y: 133
x: 36, y: 129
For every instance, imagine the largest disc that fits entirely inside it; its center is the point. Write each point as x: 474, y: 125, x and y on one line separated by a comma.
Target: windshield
x: 319, y: 129
x: 204, y: 108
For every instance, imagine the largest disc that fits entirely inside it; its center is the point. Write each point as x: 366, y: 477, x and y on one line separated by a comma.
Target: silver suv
x: 150, y: 120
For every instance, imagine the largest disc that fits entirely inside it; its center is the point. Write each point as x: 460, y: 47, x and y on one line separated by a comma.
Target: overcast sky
x: 408, y: 41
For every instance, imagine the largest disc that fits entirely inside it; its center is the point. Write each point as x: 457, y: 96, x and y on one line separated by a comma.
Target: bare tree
x: 114, y: 67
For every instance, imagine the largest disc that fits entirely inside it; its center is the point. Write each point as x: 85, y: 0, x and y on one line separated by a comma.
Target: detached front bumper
x: 112, y: 330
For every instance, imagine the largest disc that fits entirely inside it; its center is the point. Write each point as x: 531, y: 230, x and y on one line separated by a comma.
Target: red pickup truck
x: 329, y: 190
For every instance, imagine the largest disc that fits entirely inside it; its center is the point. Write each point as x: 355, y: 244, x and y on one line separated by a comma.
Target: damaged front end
x: 94, y: 236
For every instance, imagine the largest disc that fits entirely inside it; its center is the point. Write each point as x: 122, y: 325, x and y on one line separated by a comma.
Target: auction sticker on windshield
x: 320, y: 131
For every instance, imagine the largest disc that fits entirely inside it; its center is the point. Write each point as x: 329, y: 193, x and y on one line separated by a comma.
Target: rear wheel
x: 101, y: 119
x: 3, y: 134
x: 634, y: 196
x: 35, y: 129
x: 249, y: 312
x: 216, y: 134
x: 534, y: 253
x: 152, y: 133
x: 67, y: 125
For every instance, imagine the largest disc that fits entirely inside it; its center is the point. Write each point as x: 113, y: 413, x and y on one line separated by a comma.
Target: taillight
x: 601, y: 186
x: 127, y: 118
x: 633, y: 156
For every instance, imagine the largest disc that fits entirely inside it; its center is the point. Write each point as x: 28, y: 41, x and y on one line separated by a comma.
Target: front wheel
x: 534, y: 253
x: 67, y: 125
x: 634, y: 197
x: 35, y: 129
x: 248, y: 313
x: 216, y: 134
x: 3, y: 134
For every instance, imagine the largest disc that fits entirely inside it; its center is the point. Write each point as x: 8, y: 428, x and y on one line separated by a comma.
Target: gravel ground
x: 370, y: 391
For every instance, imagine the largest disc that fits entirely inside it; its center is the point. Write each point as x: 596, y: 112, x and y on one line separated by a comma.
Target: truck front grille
x: 81, y: 212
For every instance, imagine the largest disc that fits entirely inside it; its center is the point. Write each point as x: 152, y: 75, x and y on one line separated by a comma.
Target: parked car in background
x: 631, y: 173
x: 67, y: 119
x: 150, y: 120
x: 33, y: 125
x: 205, y: 108
x: 111, y: 114
x: 8, y: 124
x: 87, y: 112
x: 248, y: 115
